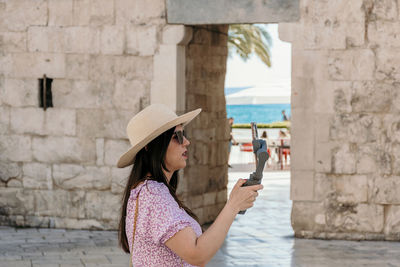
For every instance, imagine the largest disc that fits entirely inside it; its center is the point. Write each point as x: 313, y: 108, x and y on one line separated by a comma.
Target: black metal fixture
x: 45, y: 95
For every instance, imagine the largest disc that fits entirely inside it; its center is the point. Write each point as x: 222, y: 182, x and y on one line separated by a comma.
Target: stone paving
x: 261, y: 237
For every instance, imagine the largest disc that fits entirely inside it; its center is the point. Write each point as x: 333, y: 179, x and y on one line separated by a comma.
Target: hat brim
x: 129, y: 157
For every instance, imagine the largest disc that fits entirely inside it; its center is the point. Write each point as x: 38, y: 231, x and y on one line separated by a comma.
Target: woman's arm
x: 199, y: 251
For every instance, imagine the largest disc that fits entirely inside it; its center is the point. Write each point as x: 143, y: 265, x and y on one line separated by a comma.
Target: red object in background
x: 247, y: 147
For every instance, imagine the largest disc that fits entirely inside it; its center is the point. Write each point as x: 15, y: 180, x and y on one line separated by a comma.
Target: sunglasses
x: 178, y: 136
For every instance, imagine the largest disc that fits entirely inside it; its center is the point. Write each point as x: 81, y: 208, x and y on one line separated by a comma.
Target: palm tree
x: 246, y: 39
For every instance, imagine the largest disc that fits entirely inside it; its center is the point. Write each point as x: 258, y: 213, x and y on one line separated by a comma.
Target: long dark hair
x: 149, y: 160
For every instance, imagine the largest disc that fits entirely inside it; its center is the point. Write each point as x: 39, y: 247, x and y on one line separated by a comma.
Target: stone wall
x: 58, y: 167
x: 345, y: 111
x: 206, y: 175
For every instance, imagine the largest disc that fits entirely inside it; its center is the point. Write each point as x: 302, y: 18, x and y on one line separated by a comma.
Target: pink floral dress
x: 159, y: 218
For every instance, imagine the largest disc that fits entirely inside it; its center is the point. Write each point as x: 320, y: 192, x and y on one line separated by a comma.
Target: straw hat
x: 147, y: 125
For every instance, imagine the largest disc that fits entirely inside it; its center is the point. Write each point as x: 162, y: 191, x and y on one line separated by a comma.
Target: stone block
x: 387, y: 66
x: 84, y: 40
x: 395, y: 151
x: 64, y: 149
x: 210, y: 198
x: 114, y: 150
x: 351, y: 188
x: 13, y: 42
x: 302, y: 142
x: 82, y: 94
x: 392, y: 222
x: 60, y: 12
x: 37, y: 176
x: 138, y: 12
x: 78, y: 224
x: 69, y: 177
x: 15, y: 148
x: 323, y: 186
x: 355, y: 217
x: 27, y: 120
x: 99, y: 151
x: 77, y: 66
x: 20, y: 14
x: 302, y: 185
x: 20, y: 92
x: 34, y: 65
x: 346, y: 11
x: 384, y: 34
x: 81, y: 12
x: 370, y: 96
x: 344, y: 159
x: 307, y: 216
x: 102, y: 68
x: 16, y: 201
x: 60, y: 121
x: 342, y: 94
x: 323, y: 157
x: 385, y: 10
x: 112, y: 40
x: 324, y: 96
x: 132, y: 67
x: 47, y: 39
x: 102, y: 205
x: 141, y: 40
x: 4, y: 120
x: 196, y: 201
x: 14, y: 183
x: 102, y: 12
x: 351, y: 65
x: 119, y: 178
x: 128, y: 94
x: 9, y: 170
x: 384, y: 190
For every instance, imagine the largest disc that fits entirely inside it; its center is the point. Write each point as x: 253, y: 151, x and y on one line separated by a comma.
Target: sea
x: 262, y: 113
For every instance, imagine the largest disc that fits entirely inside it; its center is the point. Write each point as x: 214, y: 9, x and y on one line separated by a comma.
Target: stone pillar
x: 345, y: 163
x: 206, y: 174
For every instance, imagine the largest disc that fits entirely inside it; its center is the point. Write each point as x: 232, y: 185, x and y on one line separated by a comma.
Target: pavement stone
x: 261, y: 237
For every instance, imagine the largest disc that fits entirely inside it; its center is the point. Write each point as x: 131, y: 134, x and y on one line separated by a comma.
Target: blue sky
x: 254, y: 72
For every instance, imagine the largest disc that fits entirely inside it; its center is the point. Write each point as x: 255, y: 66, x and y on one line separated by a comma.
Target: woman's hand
x: 242, y: 198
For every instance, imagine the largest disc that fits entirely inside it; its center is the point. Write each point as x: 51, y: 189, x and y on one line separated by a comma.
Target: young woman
x: 155, y: 226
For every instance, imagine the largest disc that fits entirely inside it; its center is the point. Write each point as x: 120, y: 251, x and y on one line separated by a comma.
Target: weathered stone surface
x: 112, y: 40
x: 351, y: 189
x: 48, y: 203
x: 82, y: 94
x: 387, y: 66
x: 77, y: 66
x: 138, y: 12
x: 13, y: 42
x: 114, y: 150
x: 60, y: 121
x: 392, y: 225
x: 82, y: 40
x: 130, y: 94
x: 60, y: 12
x: 102, y: 204
x: 309, y: 216
x: 14, y: 183
x: 351, y: 65
x: 16, y: 201
x: 141, y: 40
x: 133, y: 67
x: 68, y: 176
x: 102, y: 12
x: 37, y: 176
x: 100, y: 151
x: 20, y: 14
x: 367, y: 159
x: 344, y: 159
x: 27, y: 120
x: 80, y: 224
x: 385, y: 10
x: 47, y: 39
x: 384, y: 34
x: 4, y: 120
x: 15, y: 148
x: 20, y: 92
x: 323, y: 186
x: 34, y: 65
x: 119, y: 179
x: 302, y: 185
x: 355, y: 217
x: 371, y: 97
x: 384, y: 190
x: 64, y: 149
x: 9, y: 171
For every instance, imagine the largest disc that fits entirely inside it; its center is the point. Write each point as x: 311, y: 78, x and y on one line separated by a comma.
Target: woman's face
x: 176, y: 155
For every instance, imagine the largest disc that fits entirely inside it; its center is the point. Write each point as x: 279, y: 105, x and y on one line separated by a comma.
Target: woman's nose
x: 186, y: 141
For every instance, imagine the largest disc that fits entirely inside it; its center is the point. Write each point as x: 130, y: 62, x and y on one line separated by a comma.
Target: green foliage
x: 278, y: 124
x: 246, y: 39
